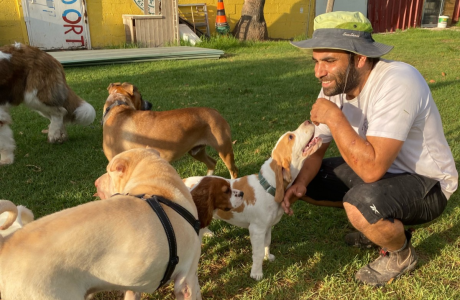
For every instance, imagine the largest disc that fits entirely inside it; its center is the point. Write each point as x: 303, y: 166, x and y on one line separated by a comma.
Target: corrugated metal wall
x: 389, y: 15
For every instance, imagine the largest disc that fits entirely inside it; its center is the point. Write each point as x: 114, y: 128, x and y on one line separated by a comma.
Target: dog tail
x: 8, y: 206
x: 25, y: 215
x: 79, y: 111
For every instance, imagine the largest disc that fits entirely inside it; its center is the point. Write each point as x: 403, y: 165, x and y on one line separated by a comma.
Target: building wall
x: 105, y: 21
x: 12, y: 27
x: 285, y: 19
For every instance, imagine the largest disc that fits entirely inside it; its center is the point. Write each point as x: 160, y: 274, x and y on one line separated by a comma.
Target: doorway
x: 432, y: 9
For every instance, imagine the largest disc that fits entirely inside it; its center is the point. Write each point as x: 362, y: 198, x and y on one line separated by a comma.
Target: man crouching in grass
x: 396, y: 167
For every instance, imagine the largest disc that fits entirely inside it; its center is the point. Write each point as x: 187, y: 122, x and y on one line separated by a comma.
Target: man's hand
x: 293, y: 192
x: 322, y: 111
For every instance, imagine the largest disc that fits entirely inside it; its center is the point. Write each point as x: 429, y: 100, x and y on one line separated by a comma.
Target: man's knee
x: 361, y: 204
x: 355, y: 217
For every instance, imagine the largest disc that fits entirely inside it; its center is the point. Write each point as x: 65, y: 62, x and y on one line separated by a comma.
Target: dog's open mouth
x: 309, y: 147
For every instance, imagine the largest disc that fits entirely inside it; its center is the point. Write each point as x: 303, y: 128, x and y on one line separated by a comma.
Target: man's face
x: 331, y: 70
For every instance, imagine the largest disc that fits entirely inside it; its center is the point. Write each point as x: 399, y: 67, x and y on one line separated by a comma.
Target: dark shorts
x: 413, y: 199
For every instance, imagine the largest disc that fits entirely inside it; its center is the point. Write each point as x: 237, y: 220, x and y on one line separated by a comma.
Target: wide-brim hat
x: 343, y: 30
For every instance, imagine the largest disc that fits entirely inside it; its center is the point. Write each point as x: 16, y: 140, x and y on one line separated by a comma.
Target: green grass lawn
x: 263, y: 90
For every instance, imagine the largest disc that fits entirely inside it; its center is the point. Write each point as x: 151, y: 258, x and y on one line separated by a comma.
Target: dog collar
x: 267, y: 187
x: 115, y: 103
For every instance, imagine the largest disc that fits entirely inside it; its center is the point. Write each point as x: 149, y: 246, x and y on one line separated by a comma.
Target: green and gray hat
x: 344, y: 30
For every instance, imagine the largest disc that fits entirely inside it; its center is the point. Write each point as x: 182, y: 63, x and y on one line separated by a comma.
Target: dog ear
x: 287, y: 171
x: 282, y: 168
x: 118, y: 167
x: 279, y: 193
x: 112, y: 85
x: 285, y: 162
x: 117, y: 171
x: 128, y: 87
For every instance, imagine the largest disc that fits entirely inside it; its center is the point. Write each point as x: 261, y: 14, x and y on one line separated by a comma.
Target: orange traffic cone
x: 222, y: 26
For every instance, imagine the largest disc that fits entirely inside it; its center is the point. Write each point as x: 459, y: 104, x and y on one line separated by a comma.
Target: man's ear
x: 361, y: 60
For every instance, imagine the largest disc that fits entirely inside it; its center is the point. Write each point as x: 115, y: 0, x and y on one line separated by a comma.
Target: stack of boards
x: 77, y: 58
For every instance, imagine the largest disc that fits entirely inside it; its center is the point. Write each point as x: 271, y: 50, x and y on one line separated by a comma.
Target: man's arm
x: 309, y: 170
x: 370, y: 158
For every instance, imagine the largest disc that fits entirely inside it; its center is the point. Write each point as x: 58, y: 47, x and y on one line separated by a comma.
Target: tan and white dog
x: 33, y: 77
x: 14, y: 218
x: 173, y: 133
x: 114, y: 244
x: 209, y: 194
x: 264, y: 192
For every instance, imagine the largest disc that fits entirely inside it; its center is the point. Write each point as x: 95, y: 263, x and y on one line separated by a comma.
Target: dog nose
x: 239, y: 194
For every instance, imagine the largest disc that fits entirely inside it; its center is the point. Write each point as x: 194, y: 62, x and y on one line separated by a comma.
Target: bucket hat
x: 344, y: 30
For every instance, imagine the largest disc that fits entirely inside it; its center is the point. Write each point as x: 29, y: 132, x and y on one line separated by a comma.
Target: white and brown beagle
x: 264, y: 192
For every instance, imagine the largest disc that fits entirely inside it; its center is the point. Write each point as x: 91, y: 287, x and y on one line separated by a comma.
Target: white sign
x: 57, y: 24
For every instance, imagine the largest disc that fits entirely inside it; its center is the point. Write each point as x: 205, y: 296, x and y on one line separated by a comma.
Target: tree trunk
x: 330, y: 6
x: 251, y: 26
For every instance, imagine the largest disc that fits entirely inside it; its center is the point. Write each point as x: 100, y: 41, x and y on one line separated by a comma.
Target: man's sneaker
x: 389, y: 266
x: 359, y: 240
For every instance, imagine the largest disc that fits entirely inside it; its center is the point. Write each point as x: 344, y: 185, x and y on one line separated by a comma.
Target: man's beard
x: 341, y: 80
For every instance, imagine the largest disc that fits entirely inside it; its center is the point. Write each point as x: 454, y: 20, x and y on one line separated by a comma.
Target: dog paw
x: 269, y: 257
x: 57, y: 138
x: 6, y: 162
x: 207, y: 232
x: 257, y: 276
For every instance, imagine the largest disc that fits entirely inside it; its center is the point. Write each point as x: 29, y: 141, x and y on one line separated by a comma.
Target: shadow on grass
x: 433, y: 246
x: 296, y: 243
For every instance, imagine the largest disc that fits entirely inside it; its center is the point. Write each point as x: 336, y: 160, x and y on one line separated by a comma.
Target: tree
x: 251, y: 26
x: 330, y: 6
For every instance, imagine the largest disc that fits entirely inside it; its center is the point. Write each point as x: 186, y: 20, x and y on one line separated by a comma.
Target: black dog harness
x: 154, y: 202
